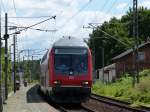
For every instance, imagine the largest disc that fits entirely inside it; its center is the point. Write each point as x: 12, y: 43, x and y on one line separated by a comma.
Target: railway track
x: 72, y: 108
x: 99, y: 104
x: 66, y: 107
x: 118, y: 103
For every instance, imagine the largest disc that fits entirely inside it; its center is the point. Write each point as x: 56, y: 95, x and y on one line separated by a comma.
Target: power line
x: 38, y: 29
x: 109, y: 10
x: 126, y: 45
x: 30, y: 17
x: 105, y: 3
x: 113, y: 4
x: 14, y: 7
x: 103, y: 7
x: 21, y: 26
x: 68, y: 20
x: 40, y: 51
x: 125, y: 7
x: 113, y: 37
x: 53, y: 17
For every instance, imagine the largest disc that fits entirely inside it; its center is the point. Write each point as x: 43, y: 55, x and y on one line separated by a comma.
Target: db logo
x: 71, y: 77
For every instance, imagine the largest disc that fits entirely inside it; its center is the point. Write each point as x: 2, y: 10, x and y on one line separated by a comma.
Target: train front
x: 72, y: 77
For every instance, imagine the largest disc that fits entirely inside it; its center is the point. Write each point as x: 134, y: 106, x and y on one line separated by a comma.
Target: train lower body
x: 67, y: 94
x: 68, y: 89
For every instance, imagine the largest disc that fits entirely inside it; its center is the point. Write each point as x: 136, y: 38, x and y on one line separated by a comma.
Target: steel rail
x: 81, y: 109
x: 118, y: 103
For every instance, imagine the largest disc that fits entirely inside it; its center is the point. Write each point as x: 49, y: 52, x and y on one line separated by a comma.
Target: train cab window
x: 62, y: 63
x: 71, y: 60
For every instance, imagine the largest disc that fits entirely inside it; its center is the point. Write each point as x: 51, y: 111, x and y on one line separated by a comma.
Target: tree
x: 122, y: 30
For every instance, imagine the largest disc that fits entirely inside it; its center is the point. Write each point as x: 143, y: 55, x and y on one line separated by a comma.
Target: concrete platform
x: 27, y: 100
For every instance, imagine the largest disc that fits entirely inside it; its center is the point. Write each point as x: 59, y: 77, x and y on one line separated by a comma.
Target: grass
x: 123, y: 90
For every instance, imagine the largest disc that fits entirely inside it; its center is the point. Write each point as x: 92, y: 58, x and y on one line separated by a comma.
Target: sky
x: 71, y: 16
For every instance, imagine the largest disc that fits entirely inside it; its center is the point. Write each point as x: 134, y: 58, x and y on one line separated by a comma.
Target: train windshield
x: 71, y: 60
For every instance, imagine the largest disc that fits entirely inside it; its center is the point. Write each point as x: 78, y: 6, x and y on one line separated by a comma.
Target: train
x: 66, y: 71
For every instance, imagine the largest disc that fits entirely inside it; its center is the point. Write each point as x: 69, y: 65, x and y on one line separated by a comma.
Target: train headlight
x: 85, y: 83
x: 57, y: 82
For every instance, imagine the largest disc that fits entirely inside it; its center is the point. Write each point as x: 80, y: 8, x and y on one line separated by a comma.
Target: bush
x: 123, y: 90
x: 98, y: 88
x: 145, y: 72
x: 144, y: 86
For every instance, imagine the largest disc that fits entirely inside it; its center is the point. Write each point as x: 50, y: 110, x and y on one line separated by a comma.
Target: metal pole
x: 137, y: 43
x: 133, y: 66
x: 94, y: 63
x: 135, y: 35
x: 6, y: 36
x: 32, y: 58
x: 23, y: 69
x: 103, y: 61
x: 28, y: 67
x: 1, y: 103
x: 14, y: 39
x: 32, y: 68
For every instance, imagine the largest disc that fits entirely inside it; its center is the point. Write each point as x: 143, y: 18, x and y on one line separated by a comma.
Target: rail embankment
x: 123, y: 89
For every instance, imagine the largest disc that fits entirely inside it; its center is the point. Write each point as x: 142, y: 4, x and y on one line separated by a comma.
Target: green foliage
x: 10, y: 83
x: 145, y: 72
x: 144, y: 85
x: 31, y: 69
x: 123, y: 90
x: 122, y: 30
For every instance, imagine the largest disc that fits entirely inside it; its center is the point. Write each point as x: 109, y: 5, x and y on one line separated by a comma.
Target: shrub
x: 122, y: 89
x: 98, y: 88
x: 144, y: 85
x: 145, y: 72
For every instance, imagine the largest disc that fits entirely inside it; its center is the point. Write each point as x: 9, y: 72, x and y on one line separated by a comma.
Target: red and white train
x: 66, y: 71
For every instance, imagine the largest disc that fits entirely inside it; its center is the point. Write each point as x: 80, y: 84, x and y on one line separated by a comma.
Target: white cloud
x: 121, y: 6
x: 145, y: 3
x: 64, y: 10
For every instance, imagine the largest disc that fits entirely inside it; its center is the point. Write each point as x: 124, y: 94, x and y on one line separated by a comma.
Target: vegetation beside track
x: 123, y: 89
x: 10, y: 82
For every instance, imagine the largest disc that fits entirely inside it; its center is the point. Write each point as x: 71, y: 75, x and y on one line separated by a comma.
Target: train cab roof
x: 70, y: 42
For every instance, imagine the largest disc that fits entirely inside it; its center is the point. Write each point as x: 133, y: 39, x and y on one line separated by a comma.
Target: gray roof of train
x: 70, y: 42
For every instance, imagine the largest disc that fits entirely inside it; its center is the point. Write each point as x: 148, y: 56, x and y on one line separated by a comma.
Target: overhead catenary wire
x: 68, y: 20
x: 14, y: 7
x: 33, y: 52
x: 37, y: 29
x: 127, y: 5
x: 113, y: 37
x: 103, y: 6
x: 53, y: 17
x: 109, y: 9
x: 30, y: 17
x: 113, y: 4
x: 40, y: 51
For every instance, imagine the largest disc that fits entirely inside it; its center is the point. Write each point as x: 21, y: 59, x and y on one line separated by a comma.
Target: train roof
x: 70, y: 42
